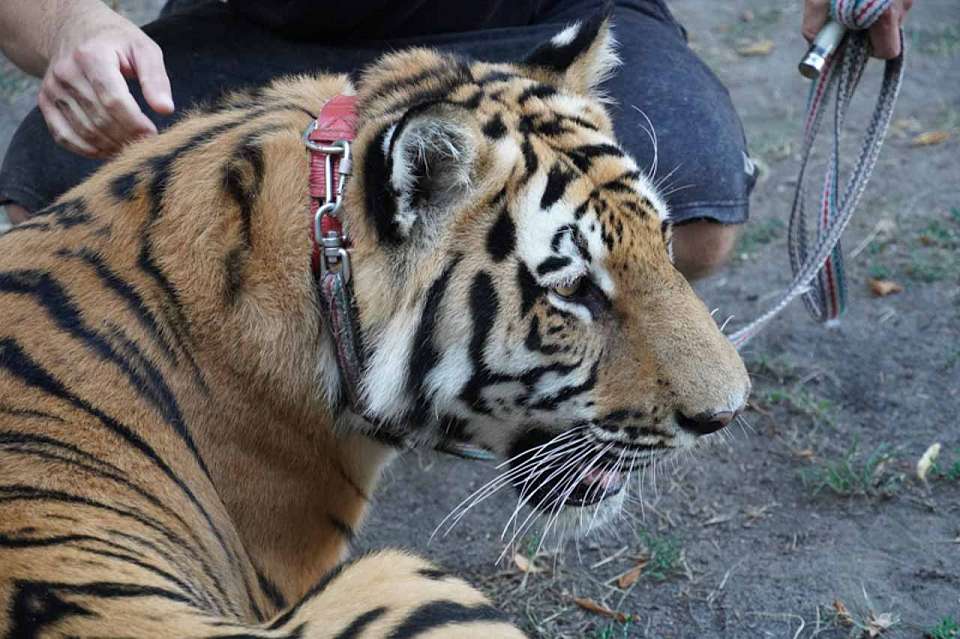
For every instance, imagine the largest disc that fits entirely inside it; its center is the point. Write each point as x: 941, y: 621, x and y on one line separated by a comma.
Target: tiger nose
x: 705, y: 423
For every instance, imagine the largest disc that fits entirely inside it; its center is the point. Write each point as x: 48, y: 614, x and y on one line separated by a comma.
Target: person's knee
x: 701, y: 247
x: 16, y: 213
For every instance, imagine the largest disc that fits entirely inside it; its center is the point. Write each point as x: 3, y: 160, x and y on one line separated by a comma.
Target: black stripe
x: 583, y: 156
x: 502, y: 236
x: 18, y: 492
x: 129, y: 294
x: 112, y: 473
x: 557, y: 180
x: 425, y: 355
x: 26, y: 226
x: 173, y: 561
x: 539, y: 91
x: 68, y: 213
x: 450, y: 69
x: 349, y: 481
x: 530, y: 291
x: 123, y: 186
x: 569, y: 392
x: 494, y: 128
x: 160, y: 168
x: 16, y: 439
x: 530, y: 160
x: 440, y: 614
x: 271, y: 591
x: 379, y: 196
x: 28, y: 413
x: 342, y: 527
x: 184, y: 587
x: 20, y: 365
x: 358, y: 625
x: 142, y: 375
x: 433, y: 573
x: 484, y: 307
x: 553, y: 263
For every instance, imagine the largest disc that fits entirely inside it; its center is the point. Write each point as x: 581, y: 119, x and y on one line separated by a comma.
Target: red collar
x: 328, y: 139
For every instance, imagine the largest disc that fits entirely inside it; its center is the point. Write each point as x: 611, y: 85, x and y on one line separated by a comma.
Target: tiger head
x: 513, y: 274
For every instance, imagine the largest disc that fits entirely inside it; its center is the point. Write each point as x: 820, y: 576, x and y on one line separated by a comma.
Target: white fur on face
x: 384, y: 384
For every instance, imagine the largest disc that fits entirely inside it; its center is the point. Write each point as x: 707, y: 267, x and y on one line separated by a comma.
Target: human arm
x: 84, y: 51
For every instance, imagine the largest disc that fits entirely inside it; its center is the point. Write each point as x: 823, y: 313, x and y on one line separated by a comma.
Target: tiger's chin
x: 578, y: 521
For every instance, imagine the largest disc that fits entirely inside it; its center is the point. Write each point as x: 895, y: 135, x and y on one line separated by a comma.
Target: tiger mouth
x: 572, y: 473
x: 568, y: 482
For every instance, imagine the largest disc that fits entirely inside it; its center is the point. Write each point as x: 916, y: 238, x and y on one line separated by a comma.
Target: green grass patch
x: 855, y: 474
x: 941, y: 41
x: 802, y: 402
x: 666, y: 556
x: 948, y: 628
x: 947, y: 470
x: 613, y: 630
x: 760, y: 233
x: 935, y: 256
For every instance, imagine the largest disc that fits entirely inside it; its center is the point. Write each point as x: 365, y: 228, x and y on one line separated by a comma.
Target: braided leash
x: 818, y: 273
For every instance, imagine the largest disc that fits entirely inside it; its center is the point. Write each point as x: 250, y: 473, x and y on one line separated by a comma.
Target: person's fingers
x: 54, y: 89
x: 885, y: 34
x: 147, y: 62
x: 60, y: 129
x: 815, y: 13
x: 80, y: 122
x: 83, y: 95
x: 112, y: 92
x: 88, y: 61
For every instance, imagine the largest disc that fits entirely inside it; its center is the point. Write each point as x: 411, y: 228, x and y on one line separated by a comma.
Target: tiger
x: 177, y: 456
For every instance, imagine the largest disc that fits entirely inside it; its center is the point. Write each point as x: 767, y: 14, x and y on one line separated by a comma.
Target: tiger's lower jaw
x: 580, y: 521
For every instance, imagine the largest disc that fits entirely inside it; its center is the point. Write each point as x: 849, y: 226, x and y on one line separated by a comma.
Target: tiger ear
x: 583, y: 55
x: 431, y: 153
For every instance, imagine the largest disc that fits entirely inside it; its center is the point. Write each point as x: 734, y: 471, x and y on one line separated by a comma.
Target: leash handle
x: 822, y: 47
x: 818, y: 273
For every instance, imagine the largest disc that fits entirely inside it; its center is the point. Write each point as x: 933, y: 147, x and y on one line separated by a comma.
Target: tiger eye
x: 569, y: 290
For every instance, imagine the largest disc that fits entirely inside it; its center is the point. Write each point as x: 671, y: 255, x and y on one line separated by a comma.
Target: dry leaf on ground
x: 526, y: 565
x: 882, y: 288
x: 592, y: 606
x: 879, y: 624
x: 630, y: 577
x: 843, y: 615
x: 931, y: 137
x: 927, y: 460
x: 760, y: 47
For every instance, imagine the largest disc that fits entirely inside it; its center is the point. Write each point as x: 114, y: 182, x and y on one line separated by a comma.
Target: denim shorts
x: 209, y: 49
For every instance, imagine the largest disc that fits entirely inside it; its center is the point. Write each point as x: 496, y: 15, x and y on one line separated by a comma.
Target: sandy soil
x: 811, y: 522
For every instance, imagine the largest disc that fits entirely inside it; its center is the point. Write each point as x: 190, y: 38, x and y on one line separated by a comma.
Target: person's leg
x: 699, y: 160
x: 701, y: 247
x: 16, y: 213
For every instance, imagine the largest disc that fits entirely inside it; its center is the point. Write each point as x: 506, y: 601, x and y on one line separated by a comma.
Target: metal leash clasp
x: 327, y: 222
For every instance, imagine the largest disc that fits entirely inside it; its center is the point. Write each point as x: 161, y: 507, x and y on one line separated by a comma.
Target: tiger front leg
x: 393, y: 595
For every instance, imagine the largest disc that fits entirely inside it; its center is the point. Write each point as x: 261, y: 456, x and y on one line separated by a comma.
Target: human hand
x: 884, y: 34
x: 84, y: 96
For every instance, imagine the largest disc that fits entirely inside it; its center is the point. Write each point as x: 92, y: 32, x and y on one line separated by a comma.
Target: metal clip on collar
x: 327, y: 223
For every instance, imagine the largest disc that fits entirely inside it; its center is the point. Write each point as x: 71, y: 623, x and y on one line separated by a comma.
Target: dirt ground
x: 812, y: 522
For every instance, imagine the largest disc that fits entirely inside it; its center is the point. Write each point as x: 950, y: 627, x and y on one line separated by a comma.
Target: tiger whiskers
x: 652, y: 134
x: 541, y: 454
